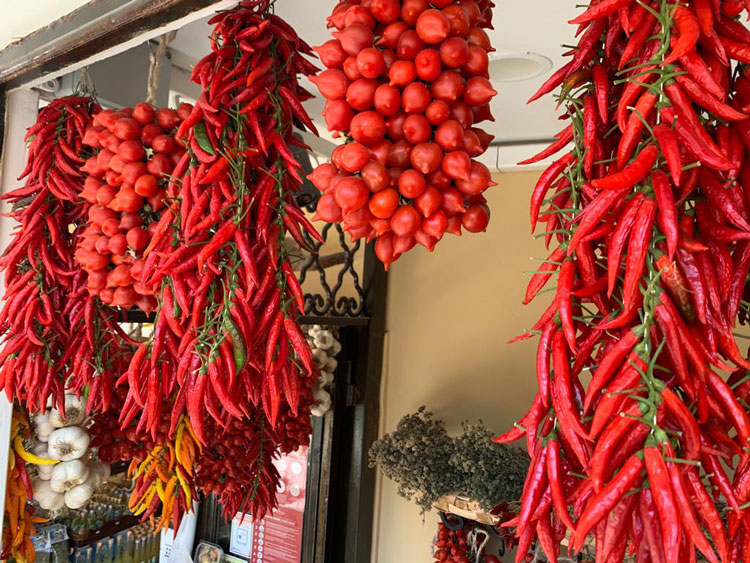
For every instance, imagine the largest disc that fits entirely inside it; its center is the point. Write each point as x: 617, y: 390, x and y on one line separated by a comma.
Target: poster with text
x: 278, y: 537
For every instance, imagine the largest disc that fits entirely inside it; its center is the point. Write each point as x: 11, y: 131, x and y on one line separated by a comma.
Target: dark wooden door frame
x: 101, y: 25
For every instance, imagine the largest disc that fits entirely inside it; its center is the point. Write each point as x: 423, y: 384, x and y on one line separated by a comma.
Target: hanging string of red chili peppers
x: 650, y: 210
x: 56, y: 336
x: 406, y: 84
x: 227, y: 351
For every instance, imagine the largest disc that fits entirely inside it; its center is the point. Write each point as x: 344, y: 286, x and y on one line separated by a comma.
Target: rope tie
x: 155, y: 58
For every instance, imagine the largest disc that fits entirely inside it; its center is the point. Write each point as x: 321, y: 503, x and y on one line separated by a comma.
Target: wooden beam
x: 96, y: 28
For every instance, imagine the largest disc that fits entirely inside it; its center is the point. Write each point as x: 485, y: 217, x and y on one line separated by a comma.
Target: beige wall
x: 450, y: 314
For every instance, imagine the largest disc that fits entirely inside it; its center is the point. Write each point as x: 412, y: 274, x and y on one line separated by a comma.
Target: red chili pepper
x: 563, y: 138
x: 614, y: 398
x: 619, y: 238
x: 593, y: 214
x: 637, y: 39
x: 562, y: 397
x: 542, y: 361
x: 689, y: 32
x: 666, y: 215
x: 600, y: 10
x: 604, y: 501
x: 651, y: 527
x: 611, y: 361
x: 667, y: 140
x: 706, y: 100
x: 632, y: 173
x: 565, y: 281
x: 555, y: 479
x: 540, y: 278
x: 533, y: 489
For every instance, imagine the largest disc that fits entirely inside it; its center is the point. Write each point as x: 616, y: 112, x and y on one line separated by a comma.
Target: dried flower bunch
x: 427, y: 463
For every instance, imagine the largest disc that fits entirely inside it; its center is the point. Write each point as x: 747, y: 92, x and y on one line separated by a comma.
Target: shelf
x: 108, y: 529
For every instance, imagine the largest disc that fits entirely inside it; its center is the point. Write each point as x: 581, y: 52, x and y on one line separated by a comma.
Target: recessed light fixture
x: 514, y: 67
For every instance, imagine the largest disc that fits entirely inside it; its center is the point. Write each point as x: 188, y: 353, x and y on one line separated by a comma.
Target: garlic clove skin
x: 43, y: 471
x: 68, y: 443
x: 319, y: 358
x: 45, y: 496
x: 78, y: 496
x: 325, y: 379
x: 42, y: 426
x: 322, y: 405
x: 75, y: 412
x: 324, y: 340
x: 68, y: 474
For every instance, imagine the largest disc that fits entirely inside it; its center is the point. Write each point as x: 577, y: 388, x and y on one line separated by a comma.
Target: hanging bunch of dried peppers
x: 56, y: 337
x: 227, y: 352
x: 650, y: 210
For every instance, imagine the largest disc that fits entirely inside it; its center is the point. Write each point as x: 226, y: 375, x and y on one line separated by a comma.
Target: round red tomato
x: 433, y: 26
x: 383, y: 203
x: 351, y: 194
x: 144, y: 113
x: 405, y: 221
x: 367, y: 127
x: 476, y: 218
x: 411, y: 183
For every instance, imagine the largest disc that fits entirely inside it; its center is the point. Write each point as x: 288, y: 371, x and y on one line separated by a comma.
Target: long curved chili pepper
x: 565, y: 280
x: 545, y: 182
x: 562, y: 397
x: 603, y: 502
x: 706, y: 100
x: 687, y: 514
x: 593, y: 214
x: 669, y: 146
x: 554, y: 479
x: 536, y: 484
x: 632, y: 173
x: 543, y: 362
x: 599, y: 11
x: 540, y: 278
x: 615, y: 397
x: 619, y: 238
x: 609, y: 364
x: 661, y: 489
x: 687, y: 25
x: 666, y: 213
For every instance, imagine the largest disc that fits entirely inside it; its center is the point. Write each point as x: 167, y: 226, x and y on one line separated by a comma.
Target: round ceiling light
x: 513, y: 67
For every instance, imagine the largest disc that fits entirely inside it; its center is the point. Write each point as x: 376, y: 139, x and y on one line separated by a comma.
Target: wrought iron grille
x: 332, y: 270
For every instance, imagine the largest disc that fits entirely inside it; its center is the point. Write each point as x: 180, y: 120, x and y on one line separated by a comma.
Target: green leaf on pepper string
x: 202, y: 137
x: 238, y: 344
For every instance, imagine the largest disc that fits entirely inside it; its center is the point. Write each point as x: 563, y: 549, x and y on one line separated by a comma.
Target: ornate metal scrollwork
x: 339, y: 296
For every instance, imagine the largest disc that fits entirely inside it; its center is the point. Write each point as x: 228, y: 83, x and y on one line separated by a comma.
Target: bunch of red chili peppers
x: 55, y: 335
x: 650, y: 211
x: 227, y: 346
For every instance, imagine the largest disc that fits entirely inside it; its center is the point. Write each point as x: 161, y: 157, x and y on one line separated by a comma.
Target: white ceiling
x: 21, y: 18
x: 540, y: 28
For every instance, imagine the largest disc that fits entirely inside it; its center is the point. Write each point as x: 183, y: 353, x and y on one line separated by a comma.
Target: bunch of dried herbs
x: 426, y: 463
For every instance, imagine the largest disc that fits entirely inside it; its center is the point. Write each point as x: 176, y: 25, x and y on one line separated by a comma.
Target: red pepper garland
x: 651, y: 212
x: 227, y: 350
x: 56, y: 335
x: 407, y: 83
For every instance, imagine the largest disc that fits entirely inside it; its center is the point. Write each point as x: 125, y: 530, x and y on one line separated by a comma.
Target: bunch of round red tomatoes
x: 406, y: 84
x: 127, y: 177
